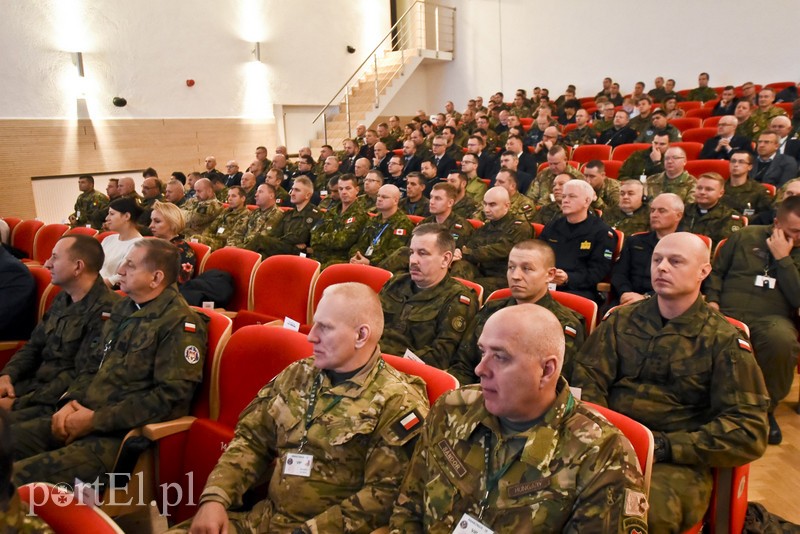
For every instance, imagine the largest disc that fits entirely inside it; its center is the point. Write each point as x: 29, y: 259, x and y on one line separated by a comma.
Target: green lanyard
x: 493, y: 478
x: 312, y: 403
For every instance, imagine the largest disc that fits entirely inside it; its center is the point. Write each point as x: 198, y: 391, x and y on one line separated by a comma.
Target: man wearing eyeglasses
x: 232, y: 175
x: 742, y: 193
x: 444, y: 163
x: 674, y: 179
x: 726, y: 142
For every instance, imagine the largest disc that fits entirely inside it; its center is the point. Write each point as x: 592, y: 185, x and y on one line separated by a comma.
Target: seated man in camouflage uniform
x: 552, y: 210
x: 292, y: 233
x: 426, y: 311
x: 341, y: 226
x: 415, y: 202
x: 339, y: 426
x: 144, y: 369
x: 40, y: 372
x: 229, y: 224
x: 201, y: 210
x: 583, y: 134
x: 707, y: 215
x: 259, y: 222
x: 631, y: 215
x: 531, y: 268
x: 630, y: 276
x: 542, y: 188
x: 464, y: 206
x: 606, y: 189
x: 519, y: 453
x: 89, y: 205
x: 674, y: 179
x: 521, y: 206
x: 756, y: 279
x: 742, y: 193
x: 676, y: 365
x: 383, y: 234
x: 484, y: 256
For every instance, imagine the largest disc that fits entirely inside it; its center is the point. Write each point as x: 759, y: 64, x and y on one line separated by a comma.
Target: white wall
x: 145, y: 50
x: 502, y: 45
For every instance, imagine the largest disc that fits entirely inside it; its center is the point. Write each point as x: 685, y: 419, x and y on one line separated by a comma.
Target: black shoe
x: 775, y: 436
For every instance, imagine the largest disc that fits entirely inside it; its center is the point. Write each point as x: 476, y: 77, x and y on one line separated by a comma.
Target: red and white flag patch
x: 351, y: 219
x: 409, y: 421
x: 571, y: 332
x: 400, y: 231
x: 464, y: 300
x: 745, y: 345
x: 105, y: 316
x: 189, y: 327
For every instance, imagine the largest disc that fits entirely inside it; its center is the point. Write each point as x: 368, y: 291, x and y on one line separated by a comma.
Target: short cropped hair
x: 444, y: 239
x: 161, y: 255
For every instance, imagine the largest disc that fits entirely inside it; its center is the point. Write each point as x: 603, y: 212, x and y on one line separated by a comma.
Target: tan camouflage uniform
x: 88, y: 206
x: 682, y: 185
x: 542, y: 185
x: 229, y: 224
x: 199, y: 214
x: 260, y: 222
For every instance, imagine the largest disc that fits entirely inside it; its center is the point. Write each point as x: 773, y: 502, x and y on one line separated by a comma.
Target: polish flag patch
x: 458, y: 226
x: 409, y: 421
x: 571, y: 332
x: 464, y: 300
x: 189, y: 327
x: 105, y: 316
x: 745, y: 345
x: 400, y: 231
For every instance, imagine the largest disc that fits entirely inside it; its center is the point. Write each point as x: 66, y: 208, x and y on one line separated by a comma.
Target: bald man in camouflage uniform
x: 678, y: 367
x: 145, y: 371
x: 347, y: 412
x: 516, y: 458
x: 541, y: 190
x: 201, y: 210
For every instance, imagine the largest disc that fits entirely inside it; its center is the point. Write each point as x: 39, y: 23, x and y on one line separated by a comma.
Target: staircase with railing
x: 424, y: 33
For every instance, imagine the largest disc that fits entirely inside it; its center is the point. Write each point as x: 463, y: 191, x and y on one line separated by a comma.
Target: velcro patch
x: 745, y: 345
x: 526, y: 488
x: 400, y: 231
x: 407, y: 424
x: 635, y: 503
x: 105, y: 316
x: 189, y: 327
x: 191, y: 354
x: 571, y: 332
x: 463, y: 299
x: 450, y: 455
x: 351, y: 219
x: 607, y: 254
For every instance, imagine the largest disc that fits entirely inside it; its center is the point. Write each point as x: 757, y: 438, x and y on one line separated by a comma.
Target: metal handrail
x: 401, y: 41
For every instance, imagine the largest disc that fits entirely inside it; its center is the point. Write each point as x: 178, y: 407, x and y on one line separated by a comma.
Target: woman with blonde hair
x: 167, y: 222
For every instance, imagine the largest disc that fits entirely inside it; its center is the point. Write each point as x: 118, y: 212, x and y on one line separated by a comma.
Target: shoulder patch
x: 189, y: 327
x: 351, y: 219
x: 571, y: 332
x: 608, y: 254
x: 463, y: 299
x: 191, y: 354
x: 744, y: 345
x: 408, y: 423
x: 459, y: 323
x: 105, y: 316
x: 400, y: 231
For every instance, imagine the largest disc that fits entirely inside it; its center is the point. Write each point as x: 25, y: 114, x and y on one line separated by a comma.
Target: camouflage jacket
x: 199, y: 214
x: 420, y: 207
x: 638, y: 221
x: 571, y: 472
x: 489, y: 246
x: 87, y: 207
x: 745, y: 256
x: 382, y: 237
x: 717, y: 223
x: 476, y: 188
x: 761, y: 119
x: 749, y: 199
x: 702, y: 94
x: 682, y: 185
x: 547, y: 213
x: 17, y: 517
x: 259, y: 222
x: 608, y: 196
x: 467, y: 356
x: 459, y: 226
x: 430, y: 322
x: 638, y: 164
x: 229, y: 224
x: 151, y: 366
x: 581, y: 136
x: 521, y: 208
x: 542, y: 186
x: 291, y: 235
x: 694, y: 379
x: 360, y: 447
x: 44, y: 368
x: 465, y: 207
x: 335, y: 234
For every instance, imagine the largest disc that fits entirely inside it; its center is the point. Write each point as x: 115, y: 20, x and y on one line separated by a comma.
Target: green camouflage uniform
x: 476, y: 188
x: 649, y: 133
x: 465, y: 207
x: 608, y: 196
x: 17, y: 518
x: 230, y: 223
x: 87, y: 208
x: 367, y: 203
x: 259, y: 222
x: 542, y: 185
x: 222, y: 194
x: 282, y: 197
x: 380, y: 237
x: 693, y: 381
x: 321, y: 183
x: 581, y: 136
x: 640, y: 123
x: 44, y: 368
x: 334, y: 235
x: 521, y: 208
x: 291, y: 235
x: 547, y: 213
x: 638, y: 164
x: 682, y: 185
x: 638, y: 221
x: 458, y: 226
x: 747, y: 128
x: 360, y: 447
x: 145, y: 372
x: 430, y: 322
x: 199, y: 214
x: 769, y: 313
x: 761, y: 119
x: 657, y: 94
x: 717, y: 223
x: 602, y: 125
x: 523, y: 112
x: 467, y: 356
x: 571, y: 472
x: 702, y: 94
x: 420, y: 207
x: 749, y: 199
x: 250, y: 196
x: 485, y: 254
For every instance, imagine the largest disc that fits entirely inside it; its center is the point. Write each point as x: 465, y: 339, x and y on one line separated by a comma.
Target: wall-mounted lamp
x: 257, y: 51
x: 77, y: 58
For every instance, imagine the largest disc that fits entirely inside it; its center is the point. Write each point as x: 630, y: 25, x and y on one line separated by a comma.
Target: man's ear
x: 362, y: 335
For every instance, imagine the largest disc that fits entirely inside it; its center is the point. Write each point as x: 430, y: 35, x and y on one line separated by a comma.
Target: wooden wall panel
x: 39, y: 147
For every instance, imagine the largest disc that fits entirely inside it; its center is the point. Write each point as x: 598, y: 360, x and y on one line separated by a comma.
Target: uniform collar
x: 354, y: 387
x: 647, y: 318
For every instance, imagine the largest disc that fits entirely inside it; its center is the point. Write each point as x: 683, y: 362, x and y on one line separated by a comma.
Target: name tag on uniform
x: 469, y: 525
x: 298, y: 464
x: 221, y: 230
x: 767, y: 282
x: 369, y: 251
x: 748, y: 212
